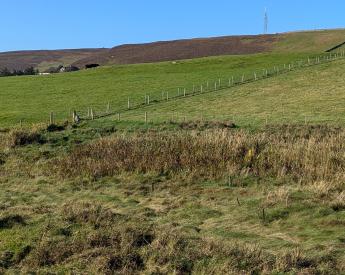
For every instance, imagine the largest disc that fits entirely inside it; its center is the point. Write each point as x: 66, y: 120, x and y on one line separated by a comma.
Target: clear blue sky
x: 45, y: 24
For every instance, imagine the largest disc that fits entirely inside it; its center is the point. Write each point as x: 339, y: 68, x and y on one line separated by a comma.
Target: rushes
x: 302, y: 156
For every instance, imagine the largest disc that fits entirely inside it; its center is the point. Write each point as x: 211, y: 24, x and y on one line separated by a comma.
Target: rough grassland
x: 183, y: 201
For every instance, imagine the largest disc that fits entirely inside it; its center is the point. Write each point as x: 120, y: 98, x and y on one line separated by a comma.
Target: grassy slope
x: 33, y: 98
x: 314, y: 93
x: 309, y: 41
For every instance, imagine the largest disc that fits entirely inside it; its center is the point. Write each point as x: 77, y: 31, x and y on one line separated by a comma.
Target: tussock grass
x: 207, y: 200
x: 301, y: 156
x: 20, y: 137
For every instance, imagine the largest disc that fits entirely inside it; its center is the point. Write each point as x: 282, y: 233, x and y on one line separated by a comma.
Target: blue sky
x: 48, y: 24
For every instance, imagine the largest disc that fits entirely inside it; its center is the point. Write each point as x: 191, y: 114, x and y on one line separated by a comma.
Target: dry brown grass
x: 302, y: 156
x: 130, y: 248
x: 20, y: 137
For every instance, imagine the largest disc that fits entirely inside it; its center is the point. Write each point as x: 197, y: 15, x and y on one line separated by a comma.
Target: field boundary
x: 89, y: 113
x: 216, y: 86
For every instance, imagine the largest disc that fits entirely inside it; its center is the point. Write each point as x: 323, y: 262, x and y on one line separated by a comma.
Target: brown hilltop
x: 292, y: 42
x: 182, y: 49
x: 43, y: 59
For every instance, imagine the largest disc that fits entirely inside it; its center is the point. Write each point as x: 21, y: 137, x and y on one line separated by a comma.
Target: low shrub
x: 19, y: 137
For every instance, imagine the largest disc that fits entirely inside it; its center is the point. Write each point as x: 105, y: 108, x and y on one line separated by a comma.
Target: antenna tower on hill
x: 266, y: 22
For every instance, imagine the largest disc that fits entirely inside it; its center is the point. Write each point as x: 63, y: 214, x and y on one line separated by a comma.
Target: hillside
x: 95, y: 88
x: 311, y: 95
x: 237, y: 176
x: 293, y: 42
x: 44, y: 59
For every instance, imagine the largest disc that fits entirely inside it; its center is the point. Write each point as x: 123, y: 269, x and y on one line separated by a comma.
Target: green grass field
x: 186, y: 192
x: 313, y: 94
x: 31, y: 99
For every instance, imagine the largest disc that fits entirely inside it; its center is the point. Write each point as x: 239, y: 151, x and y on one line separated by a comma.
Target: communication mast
x: 266, y: 22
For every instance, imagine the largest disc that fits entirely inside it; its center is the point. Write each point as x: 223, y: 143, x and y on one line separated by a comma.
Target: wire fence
x: 135, y: 102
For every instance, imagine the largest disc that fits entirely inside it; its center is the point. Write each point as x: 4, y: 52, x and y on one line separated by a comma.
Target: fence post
x: 118, y: 117
x: 201, y: 88
x: 148, y: 100
x: 92, y: 115
x: 184, y: 92
x: 255, y: 76
x: 242, y: 78
x: 74, y: 115
x: 51, y: 118
x: 215, y: 86
x: 167, y: 96
x: 145, y: 117
x: 128, y: 104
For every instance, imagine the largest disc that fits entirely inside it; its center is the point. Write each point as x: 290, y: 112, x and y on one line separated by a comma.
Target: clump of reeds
x: 20, y: 137
x: 299, y: 155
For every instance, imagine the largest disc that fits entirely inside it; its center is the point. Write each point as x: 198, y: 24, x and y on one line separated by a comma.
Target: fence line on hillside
x: 93, y: 111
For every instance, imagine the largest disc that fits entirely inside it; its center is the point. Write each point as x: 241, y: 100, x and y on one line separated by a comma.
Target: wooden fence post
x: 128, y: 104
x: 118, y: 117
x: 167, y: 96
x: 145, y: 117
x: 184, y: 92
x: 92, y: 115
x: 74, y: 116
x: 51, y: 118
x: 243, y: 78
x: 148, y: 100
x: 108, y: 107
